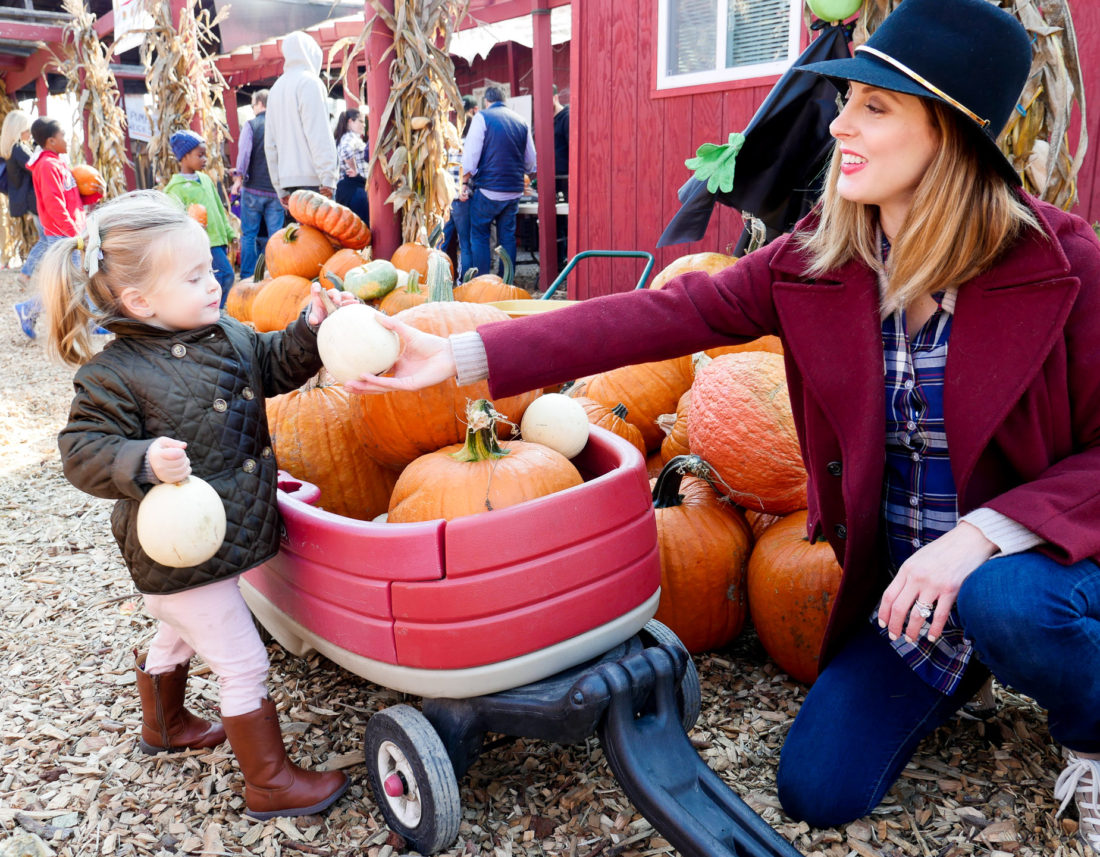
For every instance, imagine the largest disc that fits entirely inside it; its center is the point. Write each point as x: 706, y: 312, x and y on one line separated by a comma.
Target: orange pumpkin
x: 740, y: 422
x: 344, y: 225
x: 792, y: 585
x: 238, y: 303
x: 646, y: 389
x: 765, y: 343
x: 411, y: 256
x: 704, y: 543
x: 197, y: 211
x: 404, y: 297
x: 280, y: 302
x: 612, y: 419
x: 399, y: 426
x: 342, y: 261
x: 315, y: 438
x: 676, y: 442
x: 297, y: 249
x: 89, y: 181
x: 710, y: 263
x: 760, y: 521
x: 487, y: 288
x: 478, y: 475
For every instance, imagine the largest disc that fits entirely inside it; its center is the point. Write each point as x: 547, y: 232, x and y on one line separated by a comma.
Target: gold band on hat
x: 908, y: 72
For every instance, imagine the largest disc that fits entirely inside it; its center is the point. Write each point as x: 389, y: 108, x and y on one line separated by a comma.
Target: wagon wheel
x: 688, y: 694
x: 412, y: 778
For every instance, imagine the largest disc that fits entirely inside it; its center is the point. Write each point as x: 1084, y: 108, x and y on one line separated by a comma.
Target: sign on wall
x: 131, y: 22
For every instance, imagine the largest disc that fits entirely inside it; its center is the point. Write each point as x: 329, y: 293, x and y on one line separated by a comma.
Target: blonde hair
x: 963, y: 216
x: 133, y: 232
x: 15, y: 123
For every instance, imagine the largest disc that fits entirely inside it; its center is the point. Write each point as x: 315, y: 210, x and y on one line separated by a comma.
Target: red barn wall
x: 629, y: 142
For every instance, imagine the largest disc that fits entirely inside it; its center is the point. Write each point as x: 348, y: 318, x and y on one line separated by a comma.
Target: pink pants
x: 215, y: 622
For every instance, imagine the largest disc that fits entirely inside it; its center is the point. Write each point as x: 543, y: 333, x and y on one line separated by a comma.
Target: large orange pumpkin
x: 612, y: 419
x: 315, y: 437
x: 238, y: 303
x: 399, y: 426
x: 297, y: 249
x: 704, y: 543
x: 646, y: 389
x: 792, y: 585
x: 342, y: 261
x: 404, y: 297
x: 280, y: 302
x: 344, y: 225
x: 740, y: 422
x: 487, y: 288
x: 676, y: 442
x: 710, y: 263
x: 411, y: 256
x: 89, y: 181
x: 764, y: 343
x: 478, y: 475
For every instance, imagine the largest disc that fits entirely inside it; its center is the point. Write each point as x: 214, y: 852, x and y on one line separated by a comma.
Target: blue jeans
x: 44, y: 243
x: 459, y: 224
x: 1035, y: 623
x: 254, y: 210
x: 483, y: 213
x: 352, y: 192
x: 223, y: 271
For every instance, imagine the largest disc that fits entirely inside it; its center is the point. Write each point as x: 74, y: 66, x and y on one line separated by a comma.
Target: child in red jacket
x: 60, y: 204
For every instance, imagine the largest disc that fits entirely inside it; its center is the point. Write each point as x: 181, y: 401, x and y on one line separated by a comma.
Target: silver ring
x: 925, y: 610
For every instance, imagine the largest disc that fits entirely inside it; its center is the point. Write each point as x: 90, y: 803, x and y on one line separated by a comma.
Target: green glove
x: 715, y: 164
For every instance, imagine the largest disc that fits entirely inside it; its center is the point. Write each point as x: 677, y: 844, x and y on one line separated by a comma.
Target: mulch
x: 73, y: 781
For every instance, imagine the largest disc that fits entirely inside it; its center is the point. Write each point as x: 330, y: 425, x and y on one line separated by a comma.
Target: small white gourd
x: 181, y: 524
x: 351, y: 343
x: 556, y: 421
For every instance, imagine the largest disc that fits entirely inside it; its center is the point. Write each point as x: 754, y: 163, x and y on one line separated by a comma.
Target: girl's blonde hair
x: 15, y: 123
x: 132, y: 233
x: 964, y: 214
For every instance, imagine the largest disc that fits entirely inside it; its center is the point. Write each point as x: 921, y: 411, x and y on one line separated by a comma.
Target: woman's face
x: 887, y: 141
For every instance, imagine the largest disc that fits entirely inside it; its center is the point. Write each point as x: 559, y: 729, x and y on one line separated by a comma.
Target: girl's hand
x: 933, y: 576
x: 167, y: 459
x: 425, y: 360
x: 318, y: 310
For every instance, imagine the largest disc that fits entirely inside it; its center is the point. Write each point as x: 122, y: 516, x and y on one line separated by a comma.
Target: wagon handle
x: 639, y: 254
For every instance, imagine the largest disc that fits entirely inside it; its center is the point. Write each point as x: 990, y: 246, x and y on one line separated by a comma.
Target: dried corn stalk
x: 1036, y: 139
x: 18, y: 234
x: 85, y: 63
x: 183, y: 81
x: 416, y: 129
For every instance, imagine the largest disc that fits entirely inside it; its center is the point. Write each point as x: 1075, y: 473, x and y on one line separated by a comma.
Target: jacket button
x: 248, y: 394
x: 833, y: 467
x: 179, y: 350
x: 265, y: 452
x: 220, y: 405
x: 841, y: 531
x: 249, y: 466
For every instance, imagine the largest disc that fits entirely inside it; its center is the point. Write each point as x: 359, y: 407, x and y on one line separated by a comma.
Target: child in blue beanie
x: 193, y: 186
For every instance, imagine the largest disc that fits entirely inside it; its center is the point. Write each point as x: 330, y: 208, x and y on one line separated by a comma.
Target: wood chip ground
x: 73, y: 782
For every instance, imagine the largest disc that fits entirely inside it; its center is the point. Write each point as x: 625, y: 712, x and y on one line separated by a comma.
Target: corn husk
x: 1036, y: 140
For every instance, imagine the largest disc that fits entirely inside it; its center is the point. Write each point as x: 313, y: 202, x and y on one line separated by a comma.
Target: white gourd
x: 181, y: 524
x: 556, y: 421
x: 351, y: 343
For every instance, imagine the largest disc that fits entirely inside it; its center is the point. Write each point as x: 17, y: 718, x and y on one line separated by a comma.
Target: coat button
x: 248, y: 394
x: 220, y: 405
x: 265, y: 452
x: 249, y: 466
x: 834, y: 468
x: 841, y: 531
x: 179, y: 350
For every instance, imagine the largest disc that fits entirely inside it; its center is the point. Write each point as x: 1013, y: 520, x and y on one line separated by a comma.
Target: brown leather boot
x: 273, y: 785
x: 165, y: 723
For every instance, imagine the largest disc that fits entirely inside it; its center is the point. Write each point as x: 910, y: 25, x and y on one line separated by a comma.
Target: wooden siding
x: 629, y: 143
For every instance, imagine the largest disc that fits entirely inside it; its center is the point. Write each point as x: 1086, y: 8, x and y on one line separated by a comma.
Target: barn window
x: 708, y: 41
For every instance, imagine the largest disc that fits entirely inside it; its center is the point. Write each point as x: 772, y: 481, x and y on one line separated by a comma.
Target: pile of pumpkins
x: 716, y: 429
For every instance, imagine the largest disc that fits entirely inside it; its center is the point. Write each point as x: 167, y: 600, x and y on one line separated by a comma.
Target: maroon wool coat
x: 1021, y: 402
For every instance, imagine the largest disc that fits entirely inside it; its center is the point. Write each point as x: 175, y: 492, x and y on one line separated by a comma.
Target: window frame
x: 718, y: 76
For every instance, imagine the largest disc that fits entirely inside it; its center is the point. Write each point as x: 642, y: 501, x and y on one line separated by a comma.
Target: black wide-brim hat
x: 969, y: 54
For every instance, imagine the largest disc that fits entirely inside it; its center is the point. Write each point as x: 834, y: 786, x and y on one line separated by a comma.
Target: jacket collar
x: 121, y: 325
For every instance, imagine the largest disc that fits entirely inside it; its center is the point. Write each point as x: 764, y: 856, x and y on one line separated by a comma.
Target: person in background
x: 300, y: 150
x: 561, y: 171
x: 352, y: 156
x: 497, y: 155
x: 190, y: 186
x: 456, y: 232
x: 16, y: 152
x: 941, y: 335
x: 59, y: 202
x: 259, y: 202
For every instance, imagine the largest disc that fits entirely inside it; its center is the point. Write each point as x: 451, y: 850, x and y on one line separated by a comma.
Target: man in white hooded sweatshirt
x: 298, y: 141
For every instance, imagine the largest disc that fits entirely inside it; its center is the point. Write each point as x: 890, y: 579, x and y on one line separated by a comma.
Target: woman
x: 351, y: 153
x: 15, y: 149
x: 951, y: 436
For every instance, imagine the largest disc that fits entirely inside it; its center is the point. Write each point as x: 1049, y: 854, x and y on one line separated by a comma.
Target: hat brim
x: 866, y: 70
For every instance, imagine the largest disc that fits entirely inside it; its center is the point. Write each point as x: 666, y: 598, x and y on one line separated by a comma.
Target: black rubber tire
x: 689, y: 694
x: 400, y: 739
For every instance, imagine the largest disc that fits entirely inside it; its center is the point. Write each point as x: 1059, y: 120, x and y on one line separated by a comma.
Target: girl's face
x: 57, y: 143
x: 187, y: 295
x: 887, y: 142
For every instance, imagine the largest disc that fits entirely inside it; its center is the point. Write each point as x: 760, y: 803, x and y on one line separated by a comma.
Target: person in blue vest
x: 497, y: 155
x: 259, y: 202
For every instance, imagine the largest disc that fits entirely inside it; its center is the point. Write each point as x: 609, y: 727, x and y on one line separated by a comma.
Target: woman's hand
x: 932, y: 576
x: 318, y: 309
x: 167, y: 459
x: 425, y: 360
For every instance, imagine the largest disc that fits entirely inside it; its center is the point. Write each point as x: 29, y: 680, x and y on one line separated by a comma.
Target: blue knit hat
x: 183, y: 142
